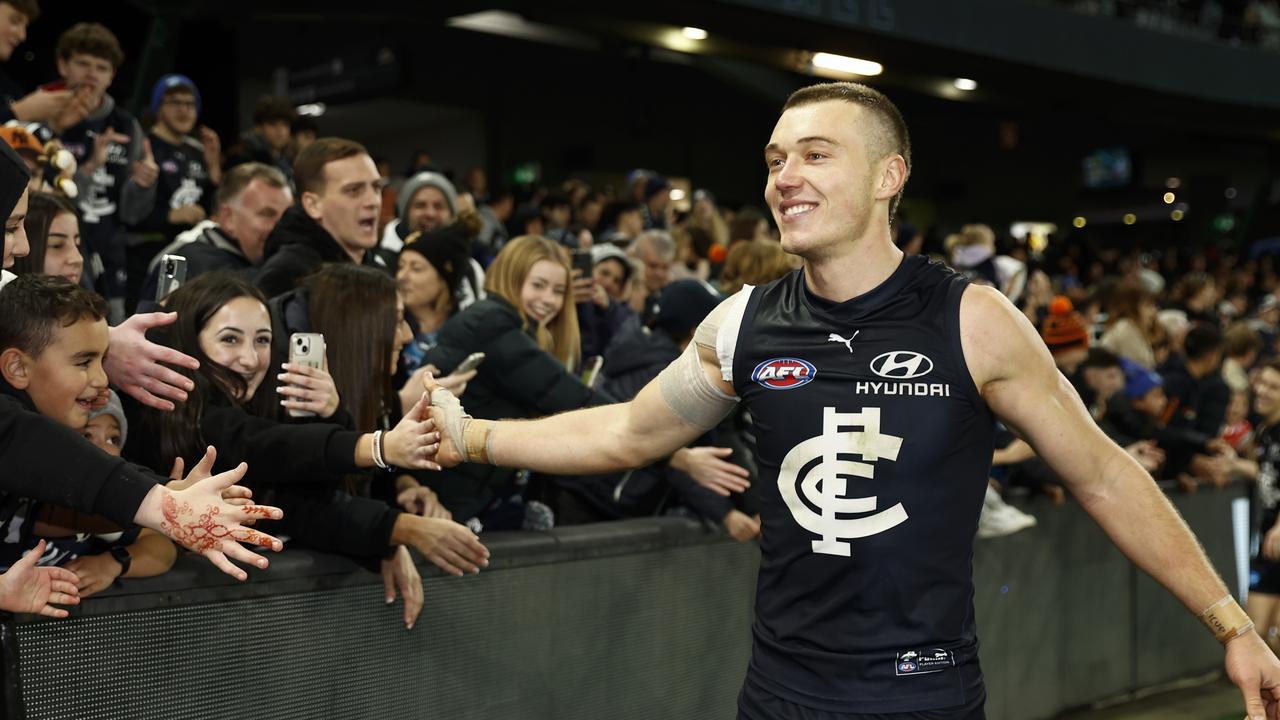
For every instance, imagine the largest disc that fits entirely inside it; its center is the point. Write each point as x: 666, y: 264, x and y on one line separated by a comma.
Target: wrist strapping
x: 476, y: 435
x: 1226, y: 620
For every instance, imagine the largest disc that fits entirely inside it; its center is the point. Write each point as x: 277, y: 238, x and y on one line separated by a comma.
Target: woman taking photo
x: 223, y: 322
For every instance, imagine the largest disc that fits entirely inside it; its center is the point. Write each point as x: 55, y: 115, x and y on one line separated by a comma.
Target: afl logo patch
x: 901, y: 365
x: 784, y: 373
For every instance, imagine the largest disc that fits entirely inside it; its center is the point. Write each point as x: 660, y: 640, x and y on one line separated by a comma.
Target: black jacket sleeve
x: 278, y: 453
x: 334, y: 521
x: 46, y: 461
x: 283, y: 270
x: 532, y: 377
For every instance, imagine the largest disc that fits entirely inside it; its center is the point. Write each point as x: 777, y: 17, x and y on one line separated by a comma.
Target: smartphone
x: 591, y: 371
x: 582, y: 263
x: 306, y: 349
x: 173, y: 272
x: 473, y: 360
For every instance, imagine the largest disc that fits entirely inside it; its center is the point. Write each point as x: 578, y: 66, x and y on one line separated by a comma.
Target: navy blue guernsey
x: 874, y: 447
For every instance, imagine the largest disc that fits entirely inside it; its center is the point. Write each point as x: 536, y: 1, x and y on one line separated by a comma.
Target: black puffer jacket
x: 517, y: 379
x: 298, y: 246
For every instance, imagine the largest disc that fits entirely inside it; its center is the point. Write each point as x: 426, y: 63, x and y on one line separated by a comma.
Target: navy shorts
x: 757, y: 703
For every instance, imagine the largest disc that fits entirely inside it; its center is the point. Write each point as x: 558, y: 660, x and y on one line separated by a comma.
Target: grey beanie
x: 419, y: 181
x: 115, y: 409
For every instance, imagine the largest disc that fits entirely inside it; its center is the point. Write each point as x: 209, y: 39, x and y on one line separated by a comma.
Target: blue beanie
x: 1139, y: 381
x: 166, y: 84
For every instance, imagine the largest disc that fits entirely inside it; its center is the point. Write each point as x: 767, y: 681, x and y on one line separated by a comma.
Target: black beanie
x: 13, y: 178
x: 448, y: 249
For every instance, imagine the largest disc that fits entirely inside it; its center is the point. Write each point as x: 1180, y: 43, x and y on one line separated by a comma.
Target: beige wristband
x: 1226, y: 619
x: 475, y: 440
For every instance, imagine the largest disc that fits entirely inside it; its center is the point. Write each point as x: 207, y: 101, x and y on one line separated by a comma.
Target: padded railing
x: 638, y: 619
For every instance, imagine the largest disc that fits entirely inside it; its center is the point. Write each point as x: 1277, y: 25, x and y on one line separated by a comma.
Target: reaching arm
x: 594, y: 440
x: 1019, y: 381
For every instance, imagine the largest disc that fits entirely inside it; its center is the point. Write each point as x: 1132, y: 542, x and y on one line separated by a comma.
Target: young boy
x: 117, y: 173
x: 54, y: 364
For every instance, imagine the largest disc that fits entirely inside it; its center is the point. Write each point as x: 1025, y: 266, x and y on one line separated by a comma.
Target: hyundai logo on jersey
x: 784, y: 373
x: 901, y: 365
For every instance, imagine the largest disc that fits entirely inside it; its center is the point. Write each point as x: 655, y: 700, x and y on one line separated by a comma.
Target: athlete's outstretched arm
x: 1015, y: 372
x: 592, y: 440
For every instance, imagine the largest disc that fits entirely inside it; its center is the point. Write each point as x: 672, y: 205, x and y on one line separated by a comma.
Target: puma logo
x: 848, y: 342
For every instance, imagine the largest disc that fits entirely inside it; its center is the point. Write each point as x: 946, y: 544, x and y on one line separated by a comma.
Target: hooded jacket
x: 298, y: 246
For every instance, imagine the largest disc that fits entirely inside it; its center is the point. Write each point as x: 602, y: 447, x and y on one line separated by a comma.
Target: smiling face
x: 824, y: 187
x: 429, y: 209
x: 1266, y: 394
x: 418, y: 282
x: 349, y: 204
x: 62, y: 248
x: 238, y: 337
x: 542, y: 295
x: 66, y: 378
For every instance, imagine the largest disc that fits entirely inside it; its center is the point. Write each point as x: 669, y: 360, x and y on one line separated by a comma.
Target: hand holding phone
x: 307, y: 350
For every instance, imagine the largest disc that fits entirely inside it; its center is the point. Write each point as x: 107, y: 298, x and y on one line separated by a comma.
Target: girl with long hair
x: 53, y: 233
x: 224, y: 323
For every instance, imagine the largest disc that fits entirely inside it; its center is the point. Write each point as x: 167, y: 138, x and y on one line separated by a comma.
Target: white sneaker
x: 999, y: 518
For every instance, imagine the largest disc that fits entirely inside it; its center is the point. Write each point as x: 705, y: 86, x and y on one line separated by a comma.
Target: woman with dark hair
x: 224, y: 323
x: 53, y: 235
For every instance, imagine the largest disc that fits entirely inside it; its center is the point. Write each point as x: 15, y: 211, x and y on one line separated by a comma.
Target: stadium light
x: 966, y: 84
x: 694, y: 33
x: 846, y: 64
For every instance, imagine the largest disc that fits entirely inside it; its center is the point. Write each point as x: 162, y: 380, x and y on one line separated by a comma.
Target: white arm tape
x: 719, y: 330
x: 691, y: 395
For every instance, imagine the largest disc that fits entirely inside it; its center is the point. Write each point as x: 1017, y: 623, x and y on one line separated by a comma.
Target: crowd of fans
x: 1250, y: 22
x: 565, y: 295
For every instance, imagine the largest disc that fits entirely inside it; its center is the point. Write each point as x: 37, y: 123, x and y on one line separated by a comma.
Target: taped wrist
x: 470, y: 436
x: 690, y: 394
x: 1226, y: 620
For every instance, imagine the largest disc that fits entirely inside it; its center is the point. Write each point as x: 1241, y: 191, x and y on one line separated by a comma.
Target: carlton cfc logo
x: 784, y: 373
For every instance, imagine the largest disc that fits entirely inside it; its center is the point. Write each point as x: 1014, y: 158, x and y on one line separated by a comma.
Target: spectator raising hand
x: 145, y: 169
x: 27, y: 588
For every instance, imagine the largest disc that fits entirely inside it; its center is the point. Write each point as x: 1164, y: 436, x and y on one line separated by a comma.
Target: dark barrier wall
x: 640, y: 619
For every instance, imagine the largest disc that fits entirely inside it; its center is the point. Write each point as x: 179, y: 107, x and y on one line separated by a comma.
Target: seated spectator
x: 429, y: 202
x: 601, y: 316
x: 53, y: 238
x: 335, y: 220
x: 1099, y: 377
x: 1240, y: 347
x: 1196, y: 294
x: 1198, y: 395
x: 62, y: 381
x: 557, y: 214
x: 269, y: 139
x: 611, y: 270
x: 529, y: 335
x: 250, y: 201
x: 223, y: 321
x: 431, y: 268
x: 1131, y: 320
x: 656, y: 209
x: 1066, y: 334
x: 657, y: 250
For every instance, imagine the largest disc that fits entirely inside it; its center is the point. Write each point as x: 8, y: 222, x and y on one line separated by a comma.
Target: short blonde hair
x: 505, y: 278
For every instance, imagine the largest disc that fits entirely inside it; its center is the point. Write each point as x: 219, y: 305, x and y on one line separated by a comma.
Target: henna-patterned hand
x: 201, y: 520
